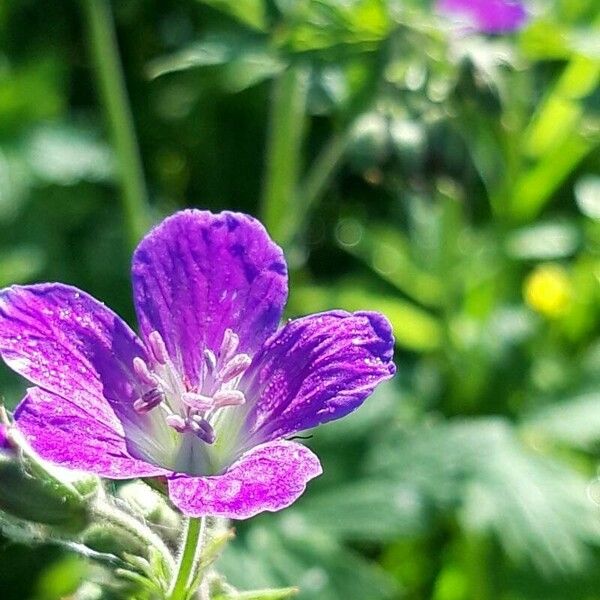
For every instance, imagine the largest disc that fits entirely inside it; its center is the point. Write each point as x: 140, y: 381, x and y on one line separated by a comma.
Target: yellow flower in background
x: 548, y: 290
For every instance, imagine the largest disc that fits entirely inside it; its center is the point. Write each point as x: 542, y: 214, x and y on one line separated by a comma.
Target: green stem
x: 103, y: 46
x: 280, y: 206
x: 192, y: 546
x: 323, y: 169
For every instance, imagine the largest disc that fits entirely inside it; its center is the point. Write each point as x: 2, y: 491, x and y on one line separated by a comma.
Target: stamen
x: 211, y: 360
x: 158, y: 348
x: 197, y: 401
x: 203, y: 429
x: 177, y: 422
x: 143, y: 372
x: 236, y: 366
x: 229, y: 345
x: 228, y: 398
x: 148, y: 401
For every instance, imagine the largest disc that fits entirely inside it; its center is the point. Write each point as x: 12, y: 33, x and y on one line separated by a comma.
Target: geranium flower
x: 487, y: 16
x: 209, y: 393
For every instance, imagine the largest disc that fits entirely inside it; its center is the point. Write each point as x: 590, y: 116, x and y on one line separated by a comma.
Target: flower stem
x: 105, y: 54
x: 190, y: 554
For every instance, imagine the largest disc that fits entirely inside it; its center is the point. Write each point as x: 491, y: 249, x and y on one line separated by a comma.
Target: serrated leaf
x: 480, y: 472
x: 315, y: 563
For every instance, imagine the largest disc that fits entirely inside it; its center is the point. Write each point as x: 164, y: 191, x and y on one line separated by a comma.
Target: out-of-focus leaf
x: 249, y: 12
x: 414, y: 328
x: 323, y: 24
x: 559, y: 114
x: 20, y: 265
x: 575, y: 422
x: 558, y: 138
x: 30, y: 93
x: 60, y: 579
x: 243, y: 60
x: 535, y: 187
x: 15, y: 182
x: 294, y: 555
x: 367, y: 509
x: 65, y: 154
x: 587, y: 194
x: 387, y: 251
x: 543, y: 241
x: 272, y: 594
x: 546, y: 40
x: 537, y: 508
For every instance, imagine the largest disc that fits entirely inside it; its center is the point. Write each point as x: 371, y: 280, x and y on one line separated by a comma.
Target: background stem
x: 280, y: 206
x: 105, y: 55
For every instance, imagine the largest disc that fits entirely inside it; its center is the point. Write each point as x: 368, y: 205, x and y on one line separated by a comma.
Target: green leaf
x: 242, y: 59
x: 388, y: 252
x: 291, y: 555
x: 574, y: 422
x: 249, y: 12
x: 365, y: 510
x: 269, y: 594
x: 63, y: 154
x: 544, y: 241
x: 479, y: 471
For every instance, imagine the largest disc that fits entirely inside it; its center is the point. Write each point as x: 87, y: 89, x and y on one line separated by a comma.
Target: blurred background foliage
x: 448, y: 179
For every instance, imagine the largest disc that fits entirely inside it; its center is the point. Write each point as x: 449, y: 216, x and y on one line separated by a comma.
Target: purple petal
x: 68, y: 343
x: 488, y: 16
x: 268, y: 477
x: 316, y: 369
x: 198, y: 274
x: 66, y: 434
x: 5, y: 443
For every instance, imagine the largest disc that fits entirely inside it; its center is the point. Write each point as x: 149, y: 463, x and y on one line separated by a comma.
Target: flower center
x: 190, y: 409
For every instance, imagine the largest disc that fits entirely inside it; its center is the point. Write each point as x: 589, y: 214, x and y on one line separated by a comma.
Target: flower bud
x: 40, y: 499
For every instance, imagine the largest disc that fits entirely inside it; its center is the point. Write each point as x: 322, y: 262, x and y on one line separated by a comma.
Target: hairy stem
x: 188, y: 561
x: 105, y: 55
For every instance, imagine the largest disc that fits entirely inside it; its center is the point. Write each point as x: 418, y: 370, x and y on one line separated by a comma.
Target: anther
x: 236, y: 366
x: 229, y: 345
x: 177, y: 422
x: 148, y: 401
x: 211, y: 360
x: 203, y: 429
x: 158, y: 348
x: 197, y: 401
x: 143, y: 372
x: 228, y: 398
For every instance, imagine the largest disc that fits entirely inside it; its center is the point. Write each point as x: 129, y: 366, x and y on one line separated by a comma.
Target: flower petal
x: 268, y: 477
x: 66, y: 434
x: 68, y: 343
x: 197, y: 274
x: 316, y: 369
x: 488, y: 16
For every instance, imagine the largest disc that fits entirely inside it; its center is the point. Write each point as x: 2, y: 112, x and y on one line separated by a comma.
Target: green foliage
x: 447, y: 180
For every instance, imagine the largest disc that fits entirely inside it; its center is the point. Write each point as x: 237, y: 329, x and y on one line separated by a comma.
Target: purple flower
x: 209, y: 392
x: 488, y: 16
